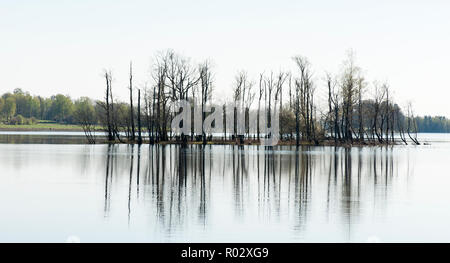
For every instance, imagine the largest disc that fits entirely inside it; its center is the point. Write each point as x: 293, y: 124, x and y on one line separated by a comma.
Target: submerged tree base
x: 326, y: 142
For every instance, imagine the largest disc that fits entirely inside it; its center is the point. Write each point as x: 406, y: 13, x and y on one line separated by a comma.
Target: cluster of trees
x: 433, y: 124
x: 355, y: 114
x: 353, y: 110
x: 21, y: 105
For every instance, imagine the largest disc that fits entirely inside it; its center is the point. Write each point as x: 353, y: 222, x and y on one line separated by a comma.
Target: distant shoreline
x: 43, y: 127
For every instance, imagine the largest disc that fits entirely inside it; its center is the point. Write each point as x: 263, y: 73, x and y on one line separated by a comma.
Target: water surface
x: 124, y: 193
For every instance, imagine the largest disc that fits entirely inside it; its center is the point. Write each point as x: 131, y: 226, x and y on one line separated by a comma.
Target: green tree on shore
x: 9, y: 108
x: 61, y: 108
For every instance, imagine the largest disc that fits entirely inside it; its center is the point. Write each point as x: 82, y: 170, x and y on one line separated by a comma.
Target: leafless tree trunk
x: 279, y: 94
x: 139, y: 118
x: 412, y: 125
x: 160, y: 98
x: 379, y: 96
x: 242, y: 87
x: 305, y: 90
x: 181, y: 78
x: 133, y: 134
x: 148, y: 116
x: 349, y: 92
x: 109, y: 125
x: 387, y: 112
x: 206, y: 90
x: 360, y: 110
x: 400, y: 127
x: 261, y: 92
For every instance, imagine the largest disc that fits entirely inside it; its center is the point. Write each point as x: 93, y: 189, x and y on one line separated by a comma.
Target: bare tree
x: 133, y: 134
x: 273, y: 87
x: 412, y: 125
x: 139, y: 118
x: 206, y: 91
x: 281, y: 78
x: 148, y: 112
x: 181, y: 76
x: 379, y: 93
x: 160, y: 96
x: 349, y: 84
x: 305, y: 98
x: 261, y: 92
x: 241, y: 85
x: 386, y: 114
x: 360, y: 91
x: 333, y: 106
x: 400, y: 124
x: 107, y: 107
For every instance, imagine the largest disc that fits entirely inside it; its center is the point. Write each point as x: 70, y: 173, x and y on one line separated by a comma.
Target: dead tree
x: 238, y: 97
x: 139, y: 118
x: 291, y: 104
x: 387, y: 113
x: 400, y: 125
x: 273, y: 85
x: 248, y: 97
x: 360, y: 82
x: 181, y: 77
x: 297, y: 112
x: 378, y: 98
x: 133, y: 134
x: 113, y: 113
x: 349, y: 91
x: 148, y: 114
x: 281, y: 78
x: 107, y: 107
x: 333, y: 107
x: 160, y: 96
x: 206, y: 91
x: 261, y: 92
x: 412, y: 125
x: 305, y: 97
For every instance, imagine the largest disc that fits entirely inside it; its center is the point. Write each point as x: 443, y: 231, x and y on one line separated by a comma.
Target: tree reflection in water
x: 182, y: 186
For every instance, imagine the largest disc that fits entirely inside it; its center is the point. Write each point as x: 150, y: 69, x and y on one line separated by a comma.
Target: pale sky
x: 57, y: 46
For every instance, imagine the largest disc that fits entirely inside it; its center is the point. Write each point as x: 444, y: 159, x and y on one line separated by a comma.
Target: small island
x: 335, y: 109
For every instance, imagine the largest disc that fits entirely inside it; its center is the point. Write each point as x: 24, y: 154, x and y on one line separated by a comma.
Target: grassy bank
x: 42, y: 126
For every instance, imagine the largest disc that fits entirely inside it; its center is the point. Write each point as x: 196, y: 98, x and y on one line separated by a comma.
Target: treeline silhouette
x: 352, y: 111
x: 19, y: 107
x: 438, y: 124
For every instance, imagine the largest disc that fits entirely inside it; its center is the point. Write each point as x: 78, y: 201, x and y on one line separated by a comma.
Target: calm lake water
x: 52, y: 192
